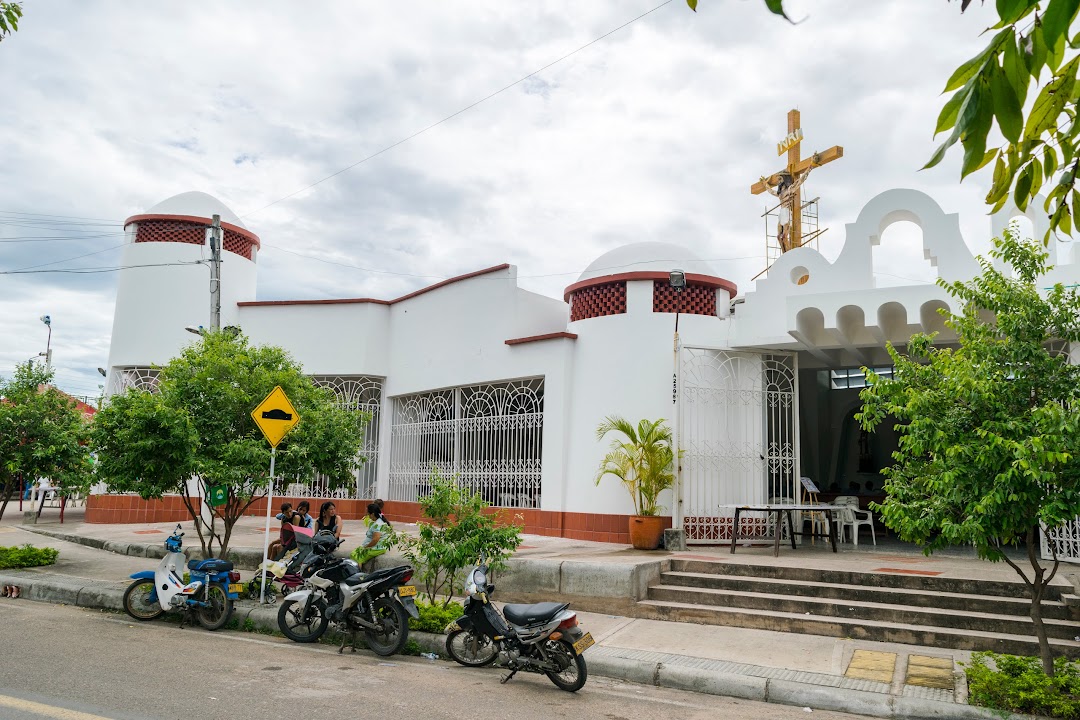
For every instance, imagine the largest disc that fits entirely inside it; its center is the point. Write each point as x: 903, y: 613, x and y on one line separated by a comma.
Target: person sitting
x: 376, y: 539
x: 287, y: 539
x: 367, y: 518
x: 328, y: 519
x: 303, y: 518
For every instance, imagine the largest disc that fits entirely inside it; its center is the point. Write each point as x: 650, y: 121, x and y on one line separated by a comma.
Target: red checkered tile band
x: 598, y: 300
x: 182, y: 231
x: 695, y: 300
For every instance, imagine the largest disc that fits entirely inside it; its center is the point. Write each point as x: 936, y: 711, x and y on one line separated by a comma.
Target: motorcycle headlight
x: 479, y: 578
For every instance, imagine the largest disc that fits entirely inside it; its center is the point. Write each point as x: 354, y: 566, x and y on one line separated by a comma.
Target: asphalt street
x: 67, y: 663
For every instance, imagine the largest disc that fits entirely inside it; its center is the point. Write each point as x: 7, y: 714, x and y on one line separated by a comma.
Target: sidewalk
x: 877, y: 679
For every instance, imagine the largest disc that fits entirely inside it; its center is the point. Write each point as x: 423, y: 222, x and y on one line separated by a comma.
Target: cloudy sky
x: 652, y: 133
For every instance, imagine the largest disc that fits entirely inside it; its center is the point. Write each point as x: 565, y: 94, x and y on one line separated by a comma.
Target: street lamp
x: 102, y: 372
x: 48, y: 343
x: 195, y: 331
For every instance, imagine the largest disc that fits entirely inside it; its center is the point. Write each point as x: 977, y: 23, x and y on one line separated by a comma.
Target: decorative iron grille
x: 489, y: 435
x: 353, y: 393
x: 140, y: 378
x: 738, y: 432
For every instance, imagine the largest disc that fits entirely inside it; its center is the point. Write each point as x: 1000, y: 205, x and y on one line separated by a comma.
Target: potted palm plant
x: 641, y: 458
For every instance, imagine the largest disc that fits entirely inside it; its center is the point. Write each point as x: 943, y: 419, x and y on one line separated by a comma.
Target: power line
x: 57, y: 238
x: 462, y: 110
x: 64, y: 217
x: 97, y: 270
x: 56, y: 262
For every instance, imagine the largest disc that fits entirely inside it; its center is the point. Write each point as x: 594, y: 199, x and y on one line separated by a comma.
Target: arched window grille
x: 491, y: 436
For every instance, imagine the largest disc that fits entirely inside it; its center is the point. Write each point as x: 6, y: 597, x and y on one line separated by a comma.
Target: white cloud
x: 655, y: 132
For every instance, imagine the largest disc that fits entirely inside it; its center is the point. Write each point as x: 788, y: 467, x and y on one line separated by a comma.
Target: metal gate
x: 738, y: 429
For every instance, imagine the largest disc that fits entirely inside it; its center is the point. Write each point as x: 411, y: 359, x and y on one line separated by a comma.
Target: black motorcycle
x: 378, y: 603
x: 543, y: 638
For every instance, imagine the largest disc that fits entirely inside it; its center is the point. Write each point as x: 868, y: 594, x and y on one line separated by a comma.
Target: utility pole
x: 215, y: 274
x: 48, y: 343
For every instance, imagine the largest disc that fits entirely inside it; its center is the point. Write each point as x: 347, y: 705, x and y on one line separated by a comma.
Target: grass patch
x: 435, y: 618
x: 26, y: 556
x: 1019, y: 685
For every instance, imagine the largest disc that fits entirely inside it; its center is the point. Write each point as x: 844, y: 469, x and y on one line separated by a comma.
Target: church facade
x: 504, y: 388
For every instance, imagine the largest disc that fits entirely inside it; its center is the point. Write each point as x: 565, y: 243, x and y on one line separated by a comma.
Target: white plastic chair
x: 850, y: 516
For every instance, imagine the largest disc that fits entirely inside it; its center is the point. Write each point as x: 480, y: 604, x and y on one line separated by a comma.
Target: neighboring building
x: 505, y: 387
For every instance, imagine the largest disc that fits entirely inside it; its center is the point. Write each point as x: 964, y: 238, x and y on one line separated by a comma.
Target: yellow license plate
x: 584, y: 643
x: 236, y: 588
x: 406, y: 591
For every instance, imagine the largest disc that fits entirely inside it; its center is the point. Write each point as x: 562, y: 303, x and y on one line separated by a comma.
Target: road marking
x: 49, y: 711
x: 872, y: 665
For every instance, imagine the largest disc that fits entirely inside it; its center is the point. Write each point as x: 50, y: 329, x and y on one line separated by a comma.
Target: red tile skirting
x: 597, y: 527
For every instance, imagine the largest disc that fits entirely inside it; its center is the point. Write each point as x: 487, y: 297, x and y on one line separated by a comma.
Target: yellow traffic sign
x: 275, y: 416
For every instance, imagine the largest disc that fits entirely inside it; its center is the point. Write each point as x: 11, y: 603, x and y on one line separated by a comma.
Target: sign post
x: 274, y: 416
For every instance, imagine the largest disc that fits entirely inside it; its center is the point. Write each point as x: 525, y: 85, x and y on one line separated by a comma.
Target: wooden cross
x: 790, y: 236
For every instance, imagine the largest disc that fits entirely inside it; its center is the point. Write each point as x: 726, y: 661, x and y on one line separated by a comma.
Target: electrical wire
x: 97, y: 270
x: 459, y: 112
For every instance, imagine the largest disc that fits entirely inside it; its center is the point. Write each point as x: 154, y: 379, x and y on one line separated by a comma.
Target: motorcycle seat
x: 533, y: 614
x: 356, y: 579
x: 210, y: 565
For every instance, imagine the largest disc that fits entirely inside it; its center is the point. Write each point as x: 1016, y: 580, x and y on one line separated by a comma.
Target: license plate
x: 584, y: 643
x: 236, y: 588
x: 406, y: 591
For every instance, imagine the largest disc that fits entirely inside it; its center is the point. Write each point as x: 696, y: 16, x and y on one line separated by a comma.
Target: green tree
x: 459, y: 531
x: 10, y: 12
x: 989, y: 436
x: 641, y: 460
x: 197, y: 428
x: 42, y: 435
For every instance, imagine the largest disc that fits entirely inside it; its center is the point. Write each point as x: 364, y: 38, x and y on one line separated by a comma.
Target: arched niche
x: 893, y: 321
x: 932, y: 320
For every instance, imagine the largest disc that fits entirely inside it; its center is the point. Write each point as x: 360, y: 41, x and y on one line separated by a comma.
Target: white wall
x: 155, y: 304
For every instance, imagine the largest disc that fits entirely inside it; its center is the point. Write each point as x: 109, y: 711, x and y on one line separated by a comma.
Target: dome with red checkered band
x: 184, y: 218
x: 601, y: 289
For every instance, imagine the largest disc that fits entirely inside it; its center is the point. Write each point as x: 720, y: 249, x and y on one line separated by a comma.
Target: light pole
x: 48, y: 343
x: 677, y: 279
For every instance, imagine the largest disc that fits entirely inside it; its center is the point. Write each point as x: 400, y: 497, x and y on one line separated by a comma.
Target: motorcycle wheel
x: 470, y: 649
x: 299, y: 629
x: 137, y: 601
x: 572, y: 677
x: 220, y: 608
x: 395, y: 622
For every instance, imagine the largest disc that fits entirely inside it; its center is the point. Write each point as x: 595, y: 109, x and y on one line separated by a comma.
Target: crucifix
x: 786, y: 184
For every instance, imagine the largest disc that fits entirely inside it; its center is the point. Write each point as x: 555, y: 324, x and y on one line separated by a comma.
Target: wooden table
x: 782, y: 512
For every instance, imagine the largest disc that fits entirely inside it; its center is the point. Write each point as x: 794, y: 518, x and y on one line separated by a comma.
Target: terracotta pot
x: 646, y: 531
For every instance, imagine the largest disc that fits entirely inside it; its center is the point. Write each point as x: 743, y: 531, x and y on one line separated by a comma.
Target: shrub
x: 458, y: 534
x: 1018, y: 684
x: 434, y: 617
x: 26, y: 556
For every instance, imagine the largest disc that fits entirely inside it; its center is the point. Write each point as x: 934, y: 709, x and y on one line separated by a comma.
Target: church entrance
x: 738, y: 433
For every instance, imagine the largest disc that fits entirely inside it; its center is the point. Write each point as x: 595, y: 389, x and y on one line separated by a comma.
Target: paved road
x: 65, y: 663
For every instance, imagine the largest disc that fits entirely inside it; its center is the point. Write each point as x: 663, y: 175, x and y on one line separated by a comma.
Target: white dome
x: 198, y: 204
x: 646, y: 256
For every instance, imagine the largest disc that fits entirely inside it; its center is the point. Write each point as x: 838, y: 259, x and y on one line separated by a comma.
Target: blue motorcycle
x: 209, y: 595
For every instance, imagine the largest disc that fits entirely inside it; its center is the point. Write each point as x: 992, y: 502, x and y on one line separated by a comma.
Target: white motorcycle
x: 209, y: 595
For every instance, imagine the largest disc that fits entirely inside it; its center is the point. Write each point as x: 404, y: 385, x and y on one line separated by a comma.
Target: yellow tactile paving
x: 872, y: 665
x: 933, y: 672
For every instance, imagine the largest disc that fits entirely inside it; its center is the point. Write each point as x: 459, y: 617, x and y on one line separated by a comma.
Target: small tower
x: 167, y: 284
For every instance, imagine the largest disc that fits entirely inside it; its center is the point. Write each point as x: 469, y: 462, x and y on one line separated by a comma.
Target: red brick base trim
x: 578, y: 526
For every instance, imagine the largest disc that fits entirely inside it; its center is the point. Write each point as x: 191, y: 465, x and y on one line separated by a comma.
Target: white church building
x: 505, y: 387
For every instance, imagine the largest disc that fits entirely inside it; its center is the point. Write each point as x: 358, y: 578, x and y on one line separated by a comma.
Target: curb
x: 104, y: 595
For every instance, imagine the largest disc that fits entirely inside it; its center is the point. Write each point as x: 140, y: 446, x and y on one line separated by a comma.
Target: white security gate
x: 739, y: 434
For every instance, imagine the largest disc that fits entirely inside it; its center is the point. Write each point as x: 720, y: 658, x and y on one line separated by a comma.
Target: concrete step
x: 910, y: 597
x: 832, y: 608
x: 968, y: 586
x: 858, y: 629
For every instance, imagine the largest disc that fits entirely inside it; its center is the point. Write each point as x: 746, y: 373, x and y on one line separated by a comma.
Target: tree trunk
x: 7, y: 498
x: 1037, y: 589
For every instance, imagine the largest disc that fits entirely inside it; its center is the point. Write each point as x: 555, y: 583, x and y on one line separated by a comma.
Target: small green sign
x: 219, y: 495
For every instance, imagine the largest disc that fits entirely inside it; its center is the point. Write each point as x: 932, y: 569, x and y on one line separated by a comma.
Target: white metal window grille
x: 738, y: 431
x: 353, y: 393
x: 141, y: 378
x: 1066, y: 537
x: 854, y: 377
x: 489, y: 435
